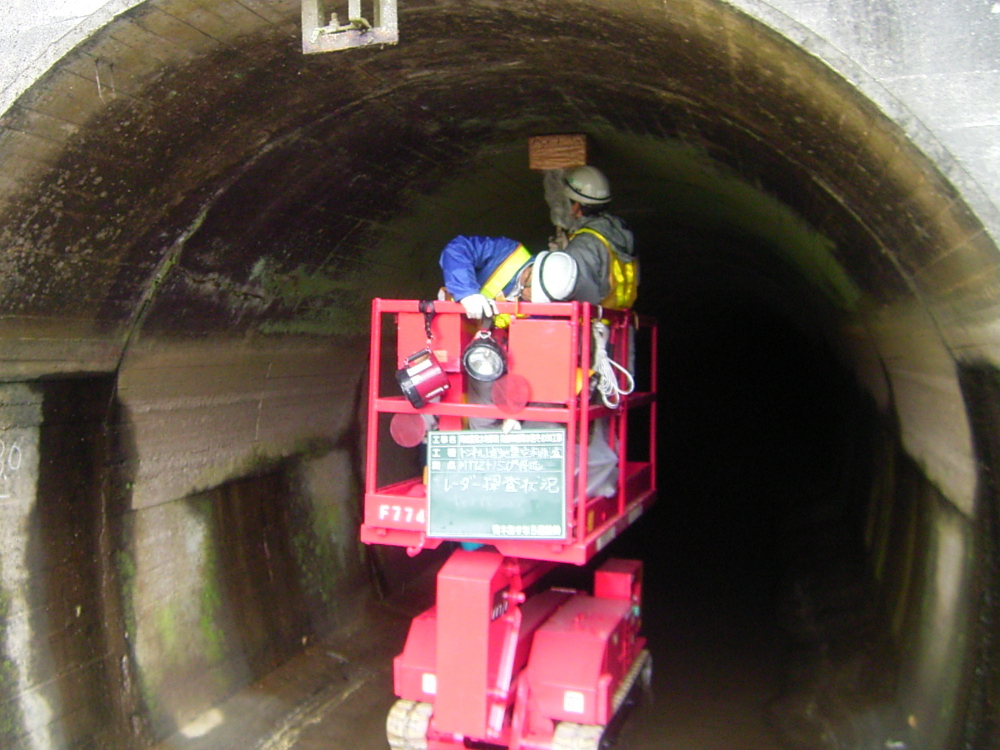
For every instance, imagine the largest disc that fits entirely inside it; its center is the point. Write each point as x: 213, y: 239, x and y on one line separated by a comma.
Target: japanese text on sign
x: 490, y: 484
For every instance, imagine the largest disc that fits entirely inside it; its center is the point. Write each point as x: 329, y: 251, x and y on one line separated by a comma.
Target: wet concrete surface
x: 714, y: 679
x: 335, y: 694
x: 717, y: 668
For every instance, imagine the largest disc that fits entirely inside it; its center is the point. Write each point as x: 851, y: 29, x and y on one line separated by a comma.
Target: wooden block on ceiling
x: 557, y: 151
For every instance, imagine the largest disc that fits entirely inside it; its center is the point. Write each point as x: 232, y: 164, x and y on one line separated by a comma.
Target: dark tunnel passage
x: 767, y: 628
x: 187, y: 264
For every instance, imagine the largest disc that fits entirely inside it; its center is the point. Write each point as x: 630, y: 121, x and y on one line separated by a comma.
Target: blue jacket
x: 468, y: 262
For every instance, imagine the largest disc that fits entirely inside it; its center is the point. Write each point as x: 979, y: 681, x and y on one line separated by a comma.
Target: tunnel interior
x: 192, y: 239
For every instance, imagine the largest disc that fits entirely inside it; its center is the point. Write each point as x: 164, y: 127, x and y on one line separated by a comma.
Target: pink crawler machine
x: 501, y: 660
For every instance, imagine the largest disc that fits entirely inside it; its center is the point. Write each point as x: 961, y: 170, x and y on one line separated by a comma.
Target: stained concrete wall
x: 932, y: 67
x: 58, y: 567
x: 122, y: 622
x: 228, y: 582
x: 199, y: 414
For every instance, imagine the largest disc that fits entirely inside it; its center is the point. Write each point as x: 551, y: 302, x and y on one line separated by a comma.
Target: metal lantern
x: 421, y: 378
x: 483, y: 359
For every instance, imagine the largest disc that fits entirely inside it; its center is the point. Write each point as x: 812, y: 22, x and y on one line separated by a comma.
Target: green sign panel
x: 486, y: 484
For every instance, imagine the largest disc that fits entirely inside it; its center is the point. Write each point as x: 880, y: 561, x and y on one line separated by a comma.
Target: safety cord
x: 427, y: 308
x: 604, y: 368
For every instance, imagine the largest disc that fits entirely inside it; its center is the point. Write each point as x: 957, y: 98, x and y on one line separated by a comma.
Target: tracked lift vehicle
x: 498, y: 661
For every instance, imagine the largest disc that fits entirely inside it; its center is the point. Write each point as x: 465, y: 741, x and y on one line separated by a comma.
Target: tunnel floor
x: 718, y: 670
x: 733, y: 667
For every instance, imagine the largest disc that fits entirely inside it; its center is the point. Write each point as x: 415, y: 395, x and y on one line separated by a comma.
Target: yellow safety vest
x: 501, y: 277
x: 621, y: 275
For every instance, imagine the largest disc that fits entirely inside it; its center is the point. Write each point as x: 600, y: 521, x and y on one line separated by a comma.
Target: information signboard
x: 487, y: 484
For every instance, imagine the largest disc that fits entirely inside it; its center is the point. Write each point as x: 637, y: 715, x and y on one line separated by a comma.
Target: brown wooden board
x: 557, y: 151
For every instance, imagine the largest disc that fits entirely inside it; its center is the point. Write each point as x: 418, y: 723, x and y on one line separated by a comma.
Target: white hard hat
x: 587, y: 185
x: 553, y: 277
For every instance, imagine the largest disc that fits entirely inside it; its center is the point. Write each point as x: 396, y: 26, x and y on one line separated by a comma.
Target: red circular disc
x: 511, y: 393
x: 407, y: 429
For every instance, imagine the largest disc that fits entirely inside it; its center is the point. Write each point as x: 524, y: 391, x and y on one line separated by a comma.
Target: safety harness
x: 621, y: 275
x: 502, y: 276
x: 505, y: 272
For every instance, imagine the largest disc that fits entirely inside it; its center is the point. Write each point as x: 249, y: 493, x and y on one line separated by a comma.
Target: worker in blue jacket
x: 480, y: 270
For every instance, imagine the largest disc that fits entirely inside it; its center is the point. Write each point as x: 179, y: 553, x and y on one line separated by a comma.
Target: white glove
x: 510, y: 425
x: 477, y: 306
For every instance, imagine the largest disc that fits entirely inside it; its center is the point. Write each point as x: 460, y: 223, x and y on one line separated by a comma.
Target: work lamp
x: 421, y: 378
x: 483, y: 359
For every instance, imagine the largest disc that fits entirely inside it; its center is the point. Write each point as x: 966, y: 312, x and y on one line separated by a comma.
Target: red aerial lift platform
x: 496, y: 661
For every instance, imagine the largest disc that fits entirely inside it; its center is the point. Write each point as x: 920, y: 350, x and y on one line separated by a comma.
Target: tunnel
x: 195, y: 217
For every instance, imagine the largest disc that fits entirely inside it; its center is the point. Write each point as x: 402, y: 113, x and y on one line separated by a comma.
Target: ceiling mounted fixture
x: 318, y: 35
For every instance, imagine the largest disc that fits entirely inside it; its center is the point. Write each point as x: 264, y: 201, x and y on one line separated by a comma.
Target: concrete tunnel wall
x: 194, y: 217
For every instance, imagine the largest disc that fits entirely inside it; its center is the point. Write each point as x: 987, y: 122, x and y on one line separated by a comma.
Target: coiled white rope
x: 605, y: 367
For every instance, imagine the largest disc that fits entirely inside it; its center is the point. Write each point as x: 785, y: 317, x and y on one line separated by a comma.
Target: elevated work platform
x: 510, y: 474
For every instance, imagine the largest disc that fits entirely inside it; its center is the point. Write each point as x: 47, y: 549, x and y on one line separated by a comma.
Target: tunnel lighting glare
x: 484, y: 359
x: 428, y: 683
x: 204, y: 724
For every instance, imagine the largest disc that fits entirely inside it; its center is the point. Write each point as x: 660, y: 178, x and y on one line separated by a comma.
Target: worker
x: 600, y: 243
x: 480, y: 270
x: 598, y: 265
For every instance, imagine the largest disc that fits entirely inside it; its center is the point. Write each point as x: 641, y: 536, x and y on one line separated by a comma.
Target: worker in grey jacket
x: 600, y: 243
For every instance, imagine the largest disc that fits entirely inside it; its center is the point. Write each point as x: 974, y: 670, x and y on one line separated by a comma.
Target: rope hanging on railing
x: 605, y: 367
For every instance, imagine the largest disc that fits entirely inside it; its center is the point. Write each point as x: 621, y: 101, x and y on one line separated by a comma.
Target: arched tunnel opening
x: 195, y: 218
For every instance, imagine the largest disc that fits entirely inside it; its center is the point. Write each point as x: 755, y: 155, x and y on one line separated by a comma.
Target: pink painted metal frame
x: 392, y: 512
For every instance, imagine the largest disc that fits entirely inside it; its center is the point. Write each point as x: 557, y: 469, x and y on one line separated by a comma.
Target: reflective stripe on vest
x: 621, y: 276
x: 502, y: 276
x: 505, y: 272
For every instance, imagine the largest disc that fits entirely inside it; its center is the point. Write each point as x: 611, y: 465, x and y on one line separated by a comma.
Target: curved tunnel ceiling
x: 188, y: 173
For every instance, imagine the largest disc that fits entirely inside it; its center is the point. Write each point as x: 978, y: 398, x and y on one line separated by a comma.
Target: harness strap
x: 597, y: 234
x: 506, y: 271
x: 502, y: 276
x: 621, y: 275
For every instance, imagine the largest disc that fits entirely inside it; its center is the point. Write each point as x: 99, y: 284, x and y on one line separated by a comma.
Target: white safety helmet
x: 587, y: 185
x: 553, y: 277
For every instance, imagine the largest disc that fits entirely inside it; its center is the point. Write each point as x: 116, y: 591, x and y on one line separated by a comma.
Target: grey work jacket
x: 591, y: 255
